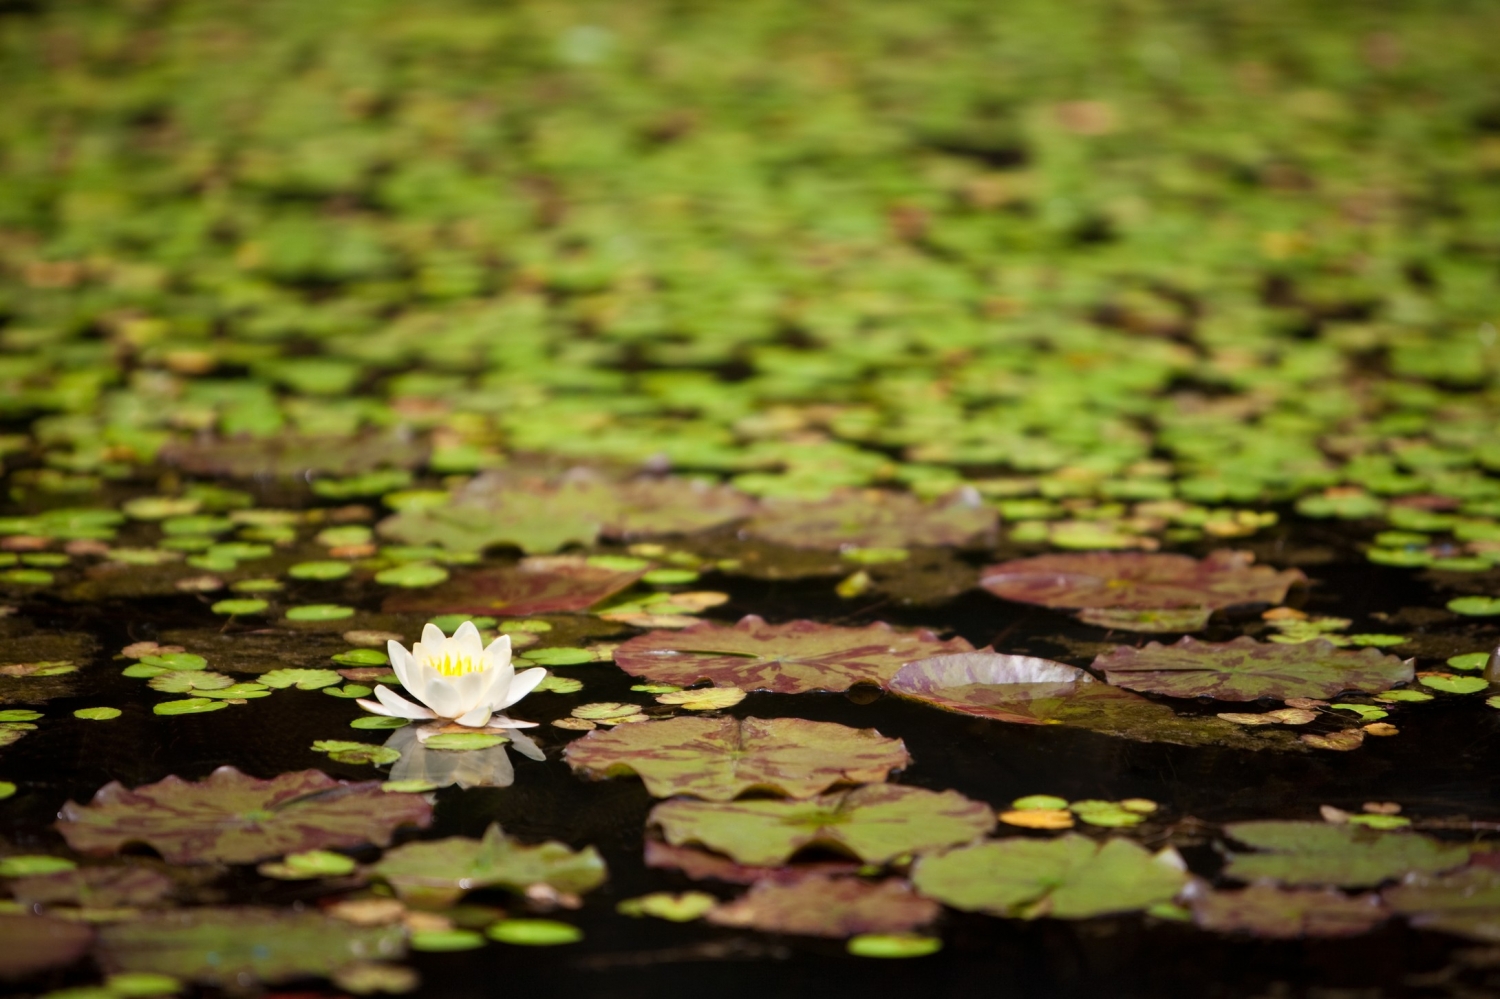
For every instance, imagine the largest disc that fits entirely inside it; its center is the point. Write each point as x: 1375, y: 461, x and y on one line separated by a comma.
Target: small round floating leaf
x: 559, y: 656
x: 244, y: 605
x: 681, y: 908
x: 457, y: 741
x: 189, y: 706
x: 302, y: 679
x: 669, y: 577
x: 362, y: 657
x: 1039, y: 801
x: 238, y: 691
x: 27, y: 577
x: 319, y: 612
x: 183, y: 681
x: 19, y: 715
x: 343, y: 751
x: 140, y: 671
x: 449, y: 623
x: 409, y: 786
x: 175, y: 661
x: 325, y: 570
x: 351, y: 691
x: 1475, y: 606
x: 704, y: 699
x: 413, y: 575
x: 7, y: 789
x: 438, y: 941
x: 309, y: 864
x: 378, y: 722
x: 1470, y: 660
x: 257, y: 586
x: 534, y: 932
x: 1456, y: 684
x: 141, y: 984
x: 605, y: 710
x: 1366, y: 712
x: 559, y: 685
x: 893, y: 945
x: 1409, y: 696
x: 27, y: 865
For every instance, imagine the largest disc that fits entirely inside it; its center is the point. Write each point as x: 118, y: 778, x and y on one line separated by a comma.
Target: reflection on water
x: 466, y: 768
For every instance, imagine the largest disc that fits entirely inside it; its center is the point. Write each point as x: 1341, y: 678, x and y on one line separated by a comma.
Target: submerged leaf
x: 1245, y: 670
x: 722, y: 758
x: 447, y: 868
x: 1071, y: 877
x: 233, y: 818
x: 828, y: 907
x: 787, y: 658
x: 874, y: 823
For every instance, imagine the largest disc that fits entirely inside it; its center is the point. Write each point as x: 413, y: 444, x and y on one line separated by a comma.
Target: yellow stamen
x: 449, y: 665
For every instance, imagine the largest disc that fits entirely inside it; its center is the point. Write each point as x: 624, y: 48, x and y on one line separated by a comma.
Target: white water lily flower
x: 458, y: 679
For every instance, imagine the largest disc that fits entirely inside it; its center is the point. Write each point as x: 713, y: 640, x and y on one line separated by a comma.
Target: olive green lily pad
x: 464, y: 741
x: 874, y: 823
x: 233, y: 818
x: 412, y: 575
x: 449, y: 867
x: 308, y: 865
x: 1245, y: 670
x: 893, y: 945
x: 319, y: 612
x: 533, y: 932
x: 1288, y: 913
x: 320, y: 570
x: 97, y: 714
x: 185, y: 681
x: 302, y: 679
x: 240, y: 605
x: 789, y: 658
x: 189, y: 706
x: 873, y: 520
x: 721, y: 758
x: 1071, y: 877
x: 232, y: 946
x: 1315, y: 853
x: 344, y: 751
x: 28, y: 864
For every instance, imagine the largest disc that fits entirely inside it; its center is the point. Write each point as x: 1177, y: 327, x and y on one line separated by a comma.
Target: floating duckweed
x: 893, y: 945
x: 236, y: 606
x: 319, y: 612
x: 325, y: 570
x: 534, y: 932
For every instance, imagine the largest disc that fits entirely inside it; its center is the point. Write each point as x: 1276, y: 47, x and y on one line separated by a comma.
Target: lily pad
x: 1465, y: 902
x: 828, y: 907
x: 240, y: 605
x: 721, y: 758
x: 1245, y: 670
x: 319, y: 612
x: 1287, y: 914
x: 1139, y: 581
x: 233, y: 818
x: 302, y: 679
x: 1071, y: 877
x: 358, y: 753
x: 189, y: 706
x: 874, y: 823
x: 1172, y: 620
x: 701, y: 865
x: 446, y: 868
x: 292, y: 456
x: 537, y: 585
x: 29, y: 944
x: 412, y: 575
x: 683, y: 908
x: 533, y: 932
x: 95, y: 887
x: 1316, y: 853
x: 232, y: 946
x: 873, y: 520
x: 325, y: 570
x: 894, y: 945
x: 787, y: 658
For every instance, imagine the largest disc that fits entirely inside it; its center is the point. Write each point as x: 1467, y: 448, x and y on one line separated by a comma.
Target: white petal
x: 432, y: 636
x: 526, y: 747
x: 467, y: 638
x: 396, y: 705
x: 498, y: 654
x: 501, y: 721
x: 401, y: 664
x: 445, y: 698
x: 478, y: 718
x: 522, y: 685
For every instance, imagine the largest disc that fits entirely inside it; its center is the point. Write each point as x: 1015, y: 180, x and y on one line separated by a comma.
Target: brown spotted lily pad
x: 828, y: 907
x: 1317, y: 853
x: 1139, y: 581
x: 874, y: 823
x: 446, y: 868
x: 873, y: 519
x: 1246, y: 670
x: 233, y: 818
x: 721, y: 758
x: 1071, y: 877
x: 237, y: 946
x: 1286, y: 914
x: 790, y: 658
x: 547, y: 584
x: 1026, y: 690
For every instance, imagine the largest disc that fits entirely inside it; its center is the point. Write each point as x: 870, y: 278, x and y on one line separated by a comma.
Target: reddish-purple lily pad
x: 537, y: 585
x: 1026, y: 690
x: 233, y: 818
x: 790, y: 658
x: 828, y: 907
x: 1288, y: 913
x: 29, y: 944
x: 873, y: 519
x: 722, y: 758
x: 1139, y: 581
x: 292, y: 455
x: 1246, y: 670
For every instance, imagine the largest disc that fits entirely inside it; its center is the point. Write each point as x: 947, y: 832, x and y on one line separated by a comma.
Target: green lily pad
x: 188, y: 706
x: 302, y: 679
x: 722, y: 758
x: 874, y: 823
x: 232, y: 946
x: 1475, y: 606
x: 893, y: 945
x: 412, y: 575
x: 309, y: 864
x: 19, y: 715
x: 97, y: 714
x: 460, y: 741
x: 558, y: 656
x: 1315, y: 853
x: 1288, y: 914
x: 1456, y: 684
x: 683, y: 908
x: 245, y: 605
x: 232, y: 818
x: 378, y: 722
x: 533, y: 932
x: 319, y: 612
x: 559, y: 685
x: 443, y: 941
x: 1245, y: 670
x: 174, y: 661
x: 349, y: 691
x: 1071, y: 877
x: 320, y: 570
x: 828, y: 907
x: 237, y: 691
x: 789, y: 658
x: 447, y: 868
x: 362, y: 657
x: 1470, y: 661
x: 7, y: 789
x: 184, y: 681
x: 30, y: 864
